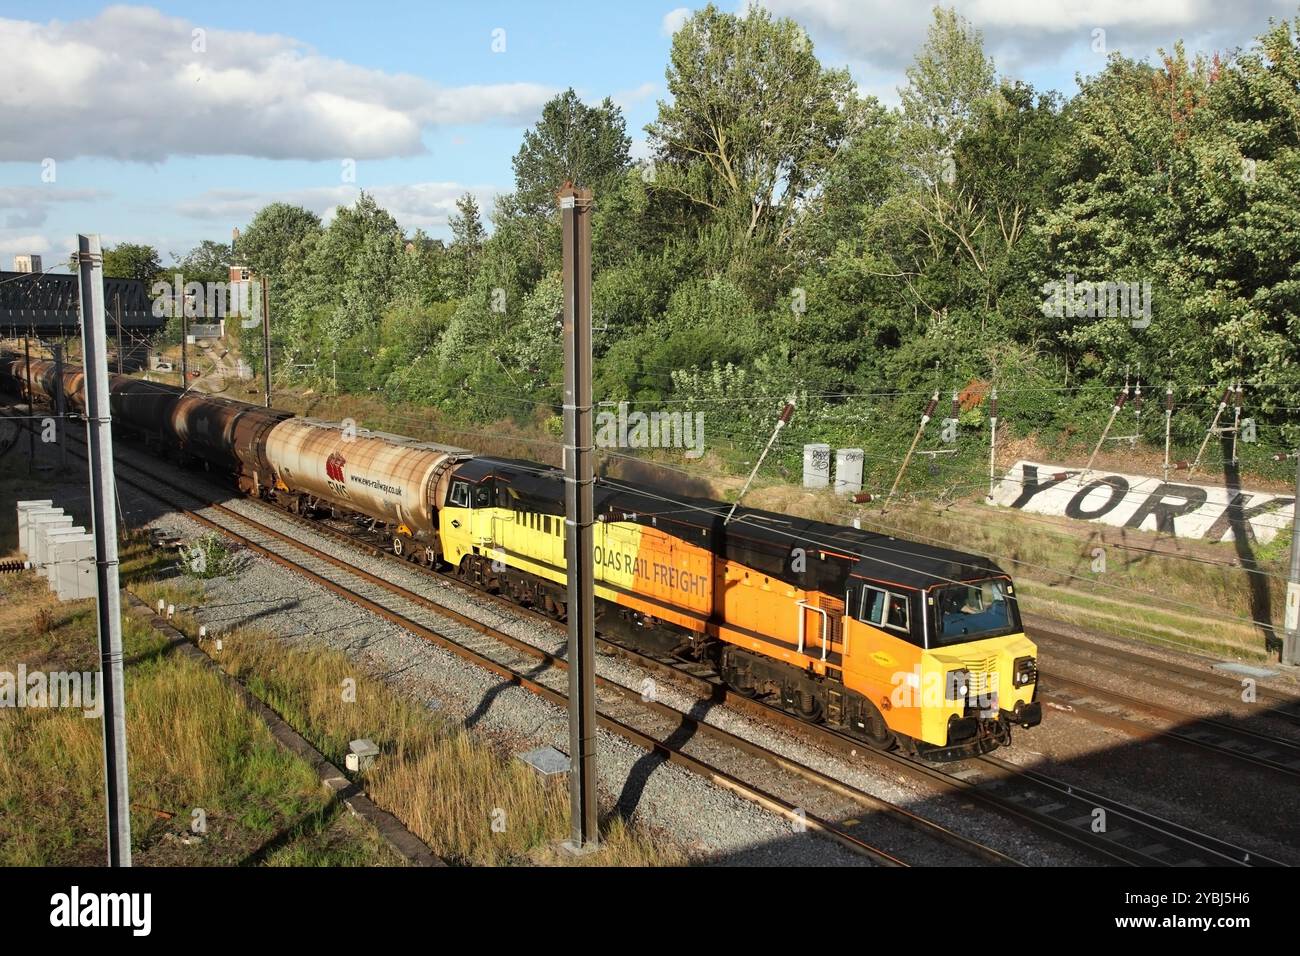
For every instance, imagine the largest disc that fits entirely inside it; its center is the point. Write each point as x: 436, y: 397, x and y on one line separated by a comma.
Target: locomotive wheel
x: 471, y: 572
x: 877, y: 733
x: 736, y: 682
x: 809, y: 708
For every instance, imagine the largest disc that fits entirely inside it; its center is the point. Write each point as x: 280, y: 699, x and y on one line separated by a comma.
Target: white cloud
x: 627, y: 98
x: 129, y: 84
x: 36, y: 244
x: 640, y: 151
x: 26, y: 207
x: 54, y: 252
x: 674, y: 19
x: 884, y: 35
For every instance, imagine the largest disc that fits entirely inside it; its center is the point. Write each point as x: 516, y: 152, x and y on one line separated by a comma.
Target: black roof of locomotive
x: 764, y: 540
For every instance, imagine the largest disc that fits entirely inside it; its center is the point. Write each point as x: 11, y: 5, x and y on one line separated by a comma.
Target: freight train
x: 893, y: 642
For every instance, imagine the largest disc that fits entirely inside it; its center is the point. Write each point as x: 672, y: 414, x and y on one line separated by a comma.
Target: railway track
x: 1280, y: 705
x: 1036, y: 799
x: 1106, y: 828
x: 1127, y: 834
x: 622, y: 709
x: 1122, y: 712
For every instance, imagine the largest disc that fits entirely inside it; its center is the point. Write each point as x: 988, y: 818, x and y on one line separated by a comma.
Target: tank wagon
x: 892, y: 641
x: 392, y: 479
x: 223, y: 435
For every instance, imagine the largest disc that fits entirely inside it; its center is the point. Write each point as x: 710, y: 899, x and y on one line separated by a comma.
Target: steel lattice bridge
x: 47, y: 305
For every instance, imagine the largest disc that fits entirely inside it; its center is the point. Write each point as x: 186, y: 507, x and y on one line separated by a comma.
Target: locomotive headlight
x: 1024, y: 672
x: 958, y: 684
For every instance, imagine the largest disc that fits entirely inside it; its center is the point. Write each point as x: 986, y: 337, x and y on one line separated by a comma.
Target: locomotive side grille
x: 835, y: 619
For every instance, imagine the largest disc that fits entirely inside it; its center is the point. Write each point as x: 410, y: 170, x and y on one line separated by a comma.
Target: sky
x: 172, y: 123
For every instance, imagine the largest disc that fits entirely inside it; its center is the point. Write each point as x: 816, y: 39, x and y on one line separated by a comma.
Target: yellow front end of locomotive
x: 973, y: 690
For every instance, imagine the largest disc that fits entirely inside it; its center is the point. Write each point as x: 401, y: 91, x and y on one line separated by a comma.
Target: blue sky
x: 163, y: 135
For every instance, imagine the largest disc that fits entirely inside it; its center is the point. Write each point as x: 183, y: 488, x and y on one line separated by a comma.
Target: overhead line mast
x: 103, y: 495
x: 579, y: 542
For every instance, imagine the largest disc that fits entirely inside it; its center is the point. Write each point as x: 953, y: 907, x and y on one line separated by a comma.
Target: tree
x: 359, y: 257
x: 754, y: 124
x: 1119, y: 215
x: 467, y: 235
x: 273, y: 235
x: 130, y: 260
x: 1238, y: 228
x: 419, y: 282
x: 948, y: 80
x: 866, y: 173
x: 572, y: 142
x: 207, y: 262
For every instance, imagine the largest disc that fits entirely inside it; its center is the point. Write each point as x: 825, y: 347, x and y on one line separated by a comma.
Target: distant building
x: 27, y: 264
x: 237, y: 273
x: 240, y: 286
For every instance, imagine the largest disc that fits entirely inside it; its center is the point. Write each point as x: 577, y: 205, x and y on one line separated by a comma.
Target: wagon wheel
x: 399, y: 546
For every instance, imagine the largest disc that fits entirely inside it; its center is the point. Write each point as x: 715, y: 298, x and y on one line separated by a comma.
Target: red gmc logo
x: 334, y: 467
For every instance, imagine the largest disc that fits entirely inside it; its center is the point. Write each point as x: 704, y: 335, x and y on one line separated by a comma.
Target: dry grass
x: 505, y: 438
x: 445, y: 784
x: 191, y: 745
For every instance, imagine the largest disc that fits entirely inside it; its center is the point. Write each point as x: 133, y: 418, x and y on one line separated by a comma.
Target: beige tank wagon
x: 393, y: 479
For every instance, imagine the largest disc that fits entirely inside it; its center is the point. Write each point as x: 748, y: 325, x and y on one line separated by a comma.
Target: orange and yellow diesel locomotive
x: 894, y: 642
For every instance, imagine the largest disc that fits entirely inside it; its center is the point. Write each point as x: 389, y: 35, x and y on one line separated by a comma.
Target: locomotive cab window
x: 485, y: 495
x: 887, y: 610
x: 896, y: 616
x: 459, y: 496
x: 873, y: 605
x: 970, y: 612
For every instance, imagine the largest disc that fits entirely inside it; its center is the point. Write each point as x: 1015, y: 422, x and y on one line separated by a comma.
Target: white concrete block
x: 37, y: 521
x: 53, y: 537
x: 75, y: 567
x: 25, y: 509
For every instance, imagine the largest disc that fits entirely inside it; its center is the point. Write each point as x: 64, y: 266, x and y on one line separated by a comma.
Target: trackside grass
x: 209, y: 786
x: 470, y: 802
